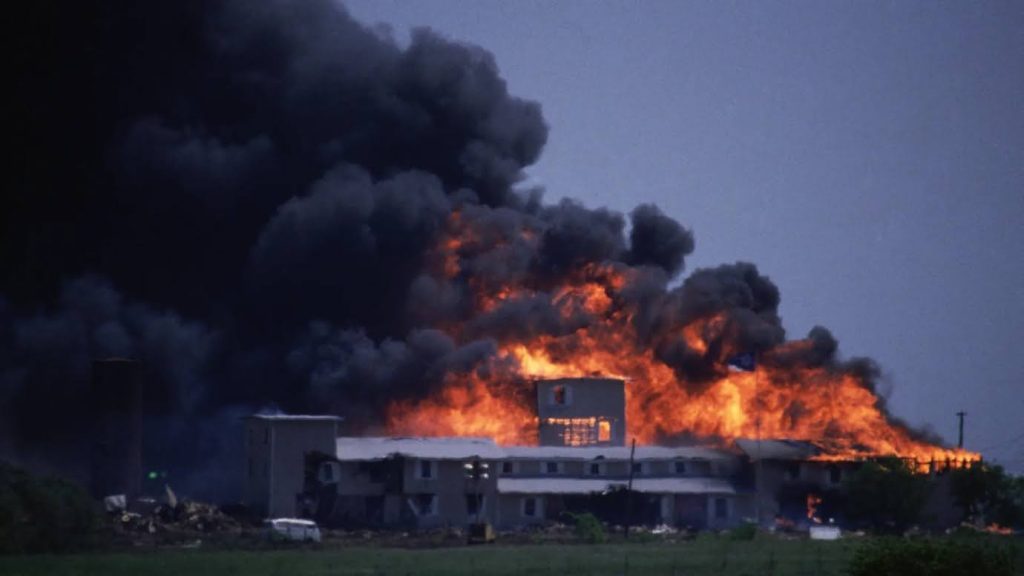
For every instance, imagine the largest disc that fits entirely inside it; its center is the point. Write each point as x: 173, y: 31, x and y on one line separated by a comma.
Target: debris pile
x: 147, y: 516
x: 186, y: 517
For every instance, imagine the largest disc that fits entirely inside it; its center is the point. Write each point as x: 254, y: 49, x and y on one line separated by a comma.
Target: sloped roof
x: 432, y: 448
x: 777, y: 449
x: 613, y: 453
x: 555, y: 485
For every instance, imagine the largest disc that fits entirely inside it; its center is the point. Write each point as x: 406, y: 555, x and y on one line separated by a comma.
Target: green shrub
x: 745, y: 531
x: 923, y: 557
x: 588, y: 528
x: 43, y: 515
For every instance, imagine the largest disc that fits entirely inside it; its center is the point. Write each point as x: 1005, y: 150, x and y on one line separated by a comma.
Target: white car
x: 292, y: 529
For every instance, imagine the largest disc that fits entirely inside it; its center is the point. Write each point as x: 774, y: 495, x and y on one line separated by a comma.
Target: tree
x: 989, y: 494
x: 886, y: 495
x: 43, y: 514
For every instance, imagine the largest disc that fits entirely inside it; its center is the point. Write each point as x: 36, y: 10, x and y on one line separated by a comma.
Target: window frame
x: 559, y: 467
x: 432, y: 466
x: 563, y: 390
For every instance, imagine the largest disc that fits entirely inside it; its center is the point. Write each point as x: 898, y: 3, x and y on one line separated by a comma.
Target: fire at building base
x: 299, y: 466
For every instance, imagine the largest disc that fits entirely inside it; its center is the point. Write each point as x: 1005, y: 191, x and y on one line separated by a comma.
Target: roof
x: 777, y: 449
x: 378, y: 448
x: 590, y: 485
x: 614, y: 453
x: 295, y: 417
x: 582, y: 379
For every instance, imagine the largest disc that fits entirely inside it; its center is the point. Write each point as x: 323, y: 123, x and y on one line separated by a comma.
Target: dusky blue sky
x: 867, y: 156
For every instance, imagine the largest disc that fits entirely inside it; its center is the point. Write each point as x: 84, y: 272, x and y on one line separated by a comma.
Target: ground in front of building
x: 716, y: 556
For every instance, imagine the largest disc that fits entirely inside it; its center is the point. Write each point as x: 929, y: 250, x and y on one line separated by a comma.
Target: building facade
x: 276, y: 447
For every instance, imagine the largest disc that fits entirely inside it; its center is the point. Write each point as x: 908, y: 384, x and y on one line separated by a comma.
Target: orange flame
x: 833, y: 409
x: 813, y: 500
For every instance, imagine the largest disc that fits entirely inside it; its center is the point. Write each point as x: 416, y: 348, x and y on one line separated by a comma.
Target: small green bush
x: 923, y: 557
x: 745, y: 531
x: 589, y: 528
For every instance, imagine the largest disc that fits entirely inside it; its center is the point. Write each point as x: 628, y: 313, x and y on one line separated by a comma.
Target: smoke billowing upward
x: 270, y: 204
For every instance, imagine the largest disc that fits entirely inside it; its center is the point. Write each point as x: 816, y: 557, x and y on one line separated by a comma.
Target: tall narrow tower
x: 116, y: 439
x: 582, y: 412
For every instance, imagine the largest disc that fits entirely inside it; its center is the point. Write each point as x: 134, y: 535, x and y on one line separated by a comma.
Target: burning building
x: 296, y: 209
x: 581, y: 463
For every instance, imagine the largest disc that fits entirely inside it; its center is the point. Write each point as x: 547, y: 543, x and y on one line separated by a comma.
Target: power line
x: 1019, y: 437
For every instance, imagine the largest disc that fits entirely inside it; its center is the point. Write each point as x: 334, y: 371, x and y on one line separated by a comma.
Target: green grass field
x: 720, y: 557
x: 717, y: 556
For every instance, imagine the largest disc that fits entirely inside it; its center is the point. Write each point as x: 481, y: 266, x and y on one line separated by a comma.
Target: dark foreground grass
x: 712, y: 556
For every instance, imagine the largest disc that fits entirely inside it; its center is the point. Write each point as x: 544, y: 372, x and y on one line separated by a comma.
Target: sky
x: 867, y: 156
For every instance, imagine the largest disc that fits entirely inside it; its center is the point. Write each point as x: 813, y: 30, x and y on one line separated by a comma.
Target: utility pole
x: 960, y: 440
x: 759, y: 468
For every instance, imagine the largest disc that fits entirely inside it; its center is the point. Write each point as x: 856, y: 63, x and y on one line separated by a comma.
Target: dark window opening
x: 595, y: 469
x: 551, y: 467
x: 834, y: 474
x: 793, y: 470
x: 680, y: 467
x: 426, y: 469
x: 638, y: 467
x: 721, y: 508
x: 506, y: 468
x: 530, y: 507
x: 559, y: 395
x: 425, y: 504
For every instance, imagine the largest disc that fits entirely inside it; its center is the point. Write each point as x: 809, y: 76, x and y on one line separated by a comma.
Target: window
x: 575, y: 431
x: 604, y: 431
x: 680, y: 467
x: 508, y: 467
x: 531, y: 507
x: 560, y: 395
x: 425, y: 470
x: 595, y: 469
x: 552, y: 468
x: 835, y: 475
x: 721, y: 508
x: 638, y: 468
x: 424, y: 504
x: 793, y: 470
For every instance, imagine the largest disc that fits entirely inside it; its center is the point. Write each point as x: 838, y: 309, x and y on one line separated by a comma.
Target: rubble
x: 185, y: 517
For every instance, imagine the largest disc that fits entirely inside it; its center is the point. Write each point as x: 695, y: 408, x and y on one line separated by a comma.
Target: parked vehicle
x: 292, y: 529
